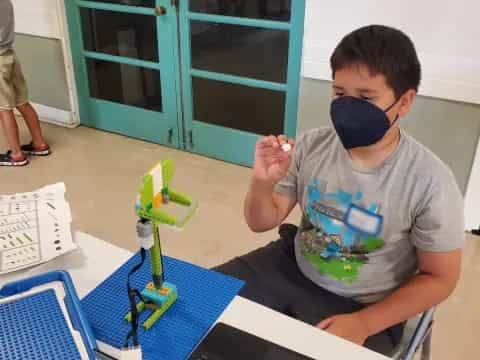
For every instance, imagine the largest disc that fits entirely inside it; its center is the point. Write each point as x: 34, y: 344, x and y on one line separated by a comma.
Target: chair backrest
x: 408, y: 332
x: 414, y: 334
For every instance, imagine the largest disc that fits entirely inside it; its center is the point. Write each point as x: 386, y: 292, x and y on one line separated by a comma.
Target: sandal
x: 8, y: 160
x: 29, y: 149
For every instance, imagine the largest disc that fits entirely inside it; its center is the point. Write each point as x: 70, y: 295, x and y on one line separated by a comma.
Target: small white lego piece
x: 286, y: 147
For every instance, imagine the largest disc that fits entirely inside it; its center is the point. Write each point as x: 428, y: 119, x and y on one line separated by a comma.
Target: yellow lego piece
x: 150, y: 286
x: 157, y: 200
x: 164, y: 291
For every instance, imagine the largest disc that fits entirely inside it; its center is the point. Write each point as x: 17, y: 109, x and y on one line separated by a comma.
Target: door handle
x: 170, y: 135
x: 160, y: 10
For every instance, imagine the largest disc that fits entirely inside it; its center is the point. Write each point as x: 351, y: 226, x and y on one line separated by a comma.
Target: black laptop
x: 225, y: 342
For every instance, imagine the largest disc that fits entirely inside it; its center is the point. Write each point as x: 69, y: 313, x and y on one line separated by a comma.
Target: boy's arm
x: 438, y: 276
x: 265, y: 208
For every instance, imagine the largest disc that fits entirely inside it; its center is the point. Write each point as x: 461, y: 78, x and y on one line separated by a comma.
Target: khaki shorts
x: 13, y: 88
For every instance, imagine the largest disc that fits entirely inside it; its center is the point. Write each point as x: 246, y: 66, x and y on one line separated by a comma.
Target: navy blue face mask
x: 359, y: 122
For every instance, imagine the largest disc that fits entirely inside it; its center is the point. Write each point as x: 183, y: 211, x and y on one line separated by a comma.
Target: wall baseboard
x: 54, y: 116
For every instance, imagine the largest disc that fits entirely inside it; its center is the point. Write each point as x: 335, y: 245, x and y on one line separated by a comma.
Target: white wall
x: 37, y: 17
x: 472, y: 201
x: 46, y: 18
x: 446, y: 34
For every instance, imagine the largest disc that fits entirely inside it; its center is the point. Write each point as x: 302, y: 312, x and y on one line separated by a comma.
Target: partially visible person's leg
x: 260, y: 272
x: 15, y: 156
x: 7, y: 102
x: 31, y: 118
x: 10, y: 129
x: 38, y: 145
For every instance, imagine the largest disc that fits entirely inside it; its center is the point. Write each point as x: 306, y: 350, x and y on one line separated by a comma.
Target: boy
x: 13, y: 94
x: 382, y: 229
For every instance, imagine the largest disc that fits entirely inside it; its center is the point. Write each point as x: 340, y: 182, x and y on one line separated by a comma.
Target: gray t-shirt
x: 7, y: 26
x: 360, y: 228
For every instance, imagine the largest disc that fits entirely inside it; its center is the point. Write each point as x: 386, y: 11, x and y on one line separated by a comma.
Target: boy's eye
x: 337, y: 93
x: 366, y: 98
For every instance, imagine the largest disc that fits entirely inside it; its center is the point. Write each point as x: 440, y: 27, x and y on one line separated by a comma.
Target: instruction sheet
x: 35, y: 227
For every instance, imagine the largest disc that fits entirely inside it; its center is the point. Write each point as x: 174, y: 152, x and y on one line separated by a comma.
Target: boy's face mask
x: 359, y: 122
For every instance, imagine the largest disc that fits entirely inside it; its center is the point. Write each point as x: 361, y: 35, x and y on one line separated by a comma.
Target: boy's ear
x: 406, y: 102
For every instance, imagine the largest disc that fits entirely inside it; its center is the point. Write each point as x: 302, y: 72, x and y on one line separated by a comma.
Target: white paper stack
x: 35, y: 227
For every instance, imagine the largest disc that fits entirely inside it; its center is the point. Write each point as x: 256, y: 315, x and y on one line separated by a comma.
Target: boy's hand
x: 271, y: 161
x: 351, y: 327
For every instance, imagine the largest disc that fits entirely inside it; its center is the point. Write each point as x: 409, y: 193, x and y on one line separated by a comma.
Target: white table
x: 96, y: 259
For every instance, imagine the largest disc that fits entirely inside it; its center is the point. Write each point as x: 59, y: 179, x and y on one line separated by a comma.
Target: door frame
x: 234, y: 152
x: 68, y: 62
x: 170, y: 102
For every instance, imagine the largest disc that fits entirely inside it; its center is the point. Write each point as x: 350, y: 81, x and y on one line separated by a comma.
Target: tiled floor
x: 102, y: 173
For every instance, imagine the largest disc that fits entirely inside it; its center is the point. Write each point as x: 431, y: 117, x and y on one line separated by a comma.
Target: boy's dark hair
x: 383, y: 50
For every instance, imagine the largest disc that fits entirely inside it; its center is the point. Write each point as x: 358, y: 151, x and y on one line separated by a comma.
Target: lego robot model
x: 151, y: 208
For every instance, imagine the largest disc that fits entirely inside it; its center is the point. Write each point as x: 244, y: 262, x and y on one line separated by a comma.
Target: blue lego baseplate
x: 202, y: 297
x: 34, y: 328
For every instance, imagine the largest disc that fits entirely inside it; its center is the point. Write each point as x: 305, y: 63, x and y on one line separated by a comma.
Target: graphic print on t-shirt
x: 339, y: 231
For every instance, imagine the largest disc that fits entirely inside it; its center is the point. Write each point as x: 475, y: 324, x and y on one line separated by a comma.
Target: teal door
x: 241, y: 70
x: 207, y: 76
x: 125, y: 61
